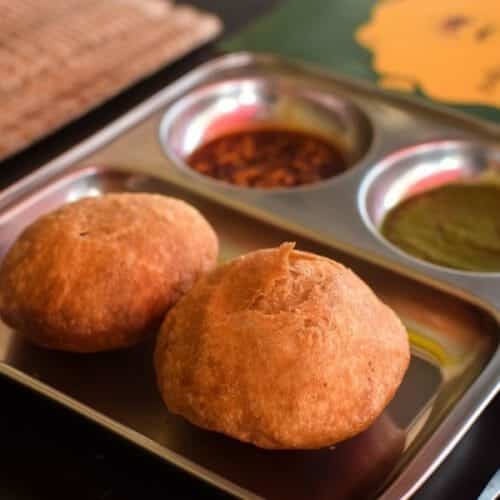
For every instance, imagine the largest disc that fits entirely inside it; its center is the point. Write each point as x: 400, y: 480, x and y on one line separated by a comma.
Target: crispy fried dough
x: 100, y: 273
x: 283, y: 349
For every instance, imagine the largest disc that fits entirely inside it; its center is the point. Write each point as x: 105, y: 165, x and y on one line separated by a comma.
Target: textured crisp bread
x: 60, y: 58
x: 101, y: 273
x: 283, y: 349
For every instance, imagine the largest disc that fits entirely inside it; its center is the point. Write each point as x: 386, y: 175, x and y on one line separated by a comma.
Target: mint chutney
x: 455, y: 225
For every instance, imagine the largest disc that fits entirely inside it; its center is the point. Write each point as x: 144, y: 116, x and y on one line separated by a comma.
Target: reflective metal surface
x: 418, y: 169
x: 221, y: 107
x: 492, y: 490
x: 452, y: 319
x: 452, y: 342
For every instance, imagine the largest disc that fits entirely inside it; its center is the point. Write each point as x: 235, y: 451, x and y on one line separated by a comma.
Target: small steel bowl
x: 418, y: 169
x: 233, y: 105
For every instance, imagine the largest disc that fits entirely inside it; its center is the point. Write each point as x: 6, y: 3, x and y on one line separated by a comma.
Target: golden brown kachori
x: 100, y: 273
x: 283, y: 349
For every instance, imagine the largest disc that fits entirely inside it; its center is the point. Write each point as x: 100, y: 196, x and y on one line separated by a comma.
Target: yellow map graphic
x: 450, y: 49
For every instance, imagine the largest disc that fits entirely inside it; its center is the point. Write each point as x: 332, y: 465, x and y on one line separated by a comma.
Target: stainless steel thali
x: 452, y: 316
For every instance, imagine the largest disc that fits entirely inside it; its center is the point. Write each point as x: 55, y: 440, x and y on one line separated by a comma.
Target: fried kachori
x: 282, y: 349
x: 100, y: 273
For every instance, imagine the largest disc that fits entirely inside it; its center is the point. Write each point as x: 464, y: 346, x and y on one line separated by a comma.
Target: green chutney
x: 455, y: 225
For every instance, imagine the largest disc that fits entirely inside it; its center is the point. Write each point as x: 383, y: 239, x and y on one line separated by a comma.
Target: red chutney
x: 268, y: 158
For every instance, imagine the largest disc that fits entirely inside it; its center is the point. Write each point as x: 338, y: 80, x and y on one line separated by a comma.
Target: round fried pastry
x: 283, y: 349
x: 100, y: 273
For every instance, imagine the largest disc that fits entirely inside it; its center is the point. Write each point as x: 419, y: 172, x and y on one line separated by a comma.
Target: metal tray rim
x: 418, y: 469
x: 132, y: 436
x: 164, y: 96
x: 483, y: 389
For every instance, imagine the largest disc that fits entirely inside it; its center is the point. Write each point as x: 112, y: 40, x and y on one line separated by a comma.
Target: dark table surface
x: 47, y: 452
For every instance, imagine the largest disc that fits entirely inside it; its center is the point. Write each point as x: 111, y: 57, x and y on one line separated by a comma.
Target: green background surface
x: 322, y: 32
